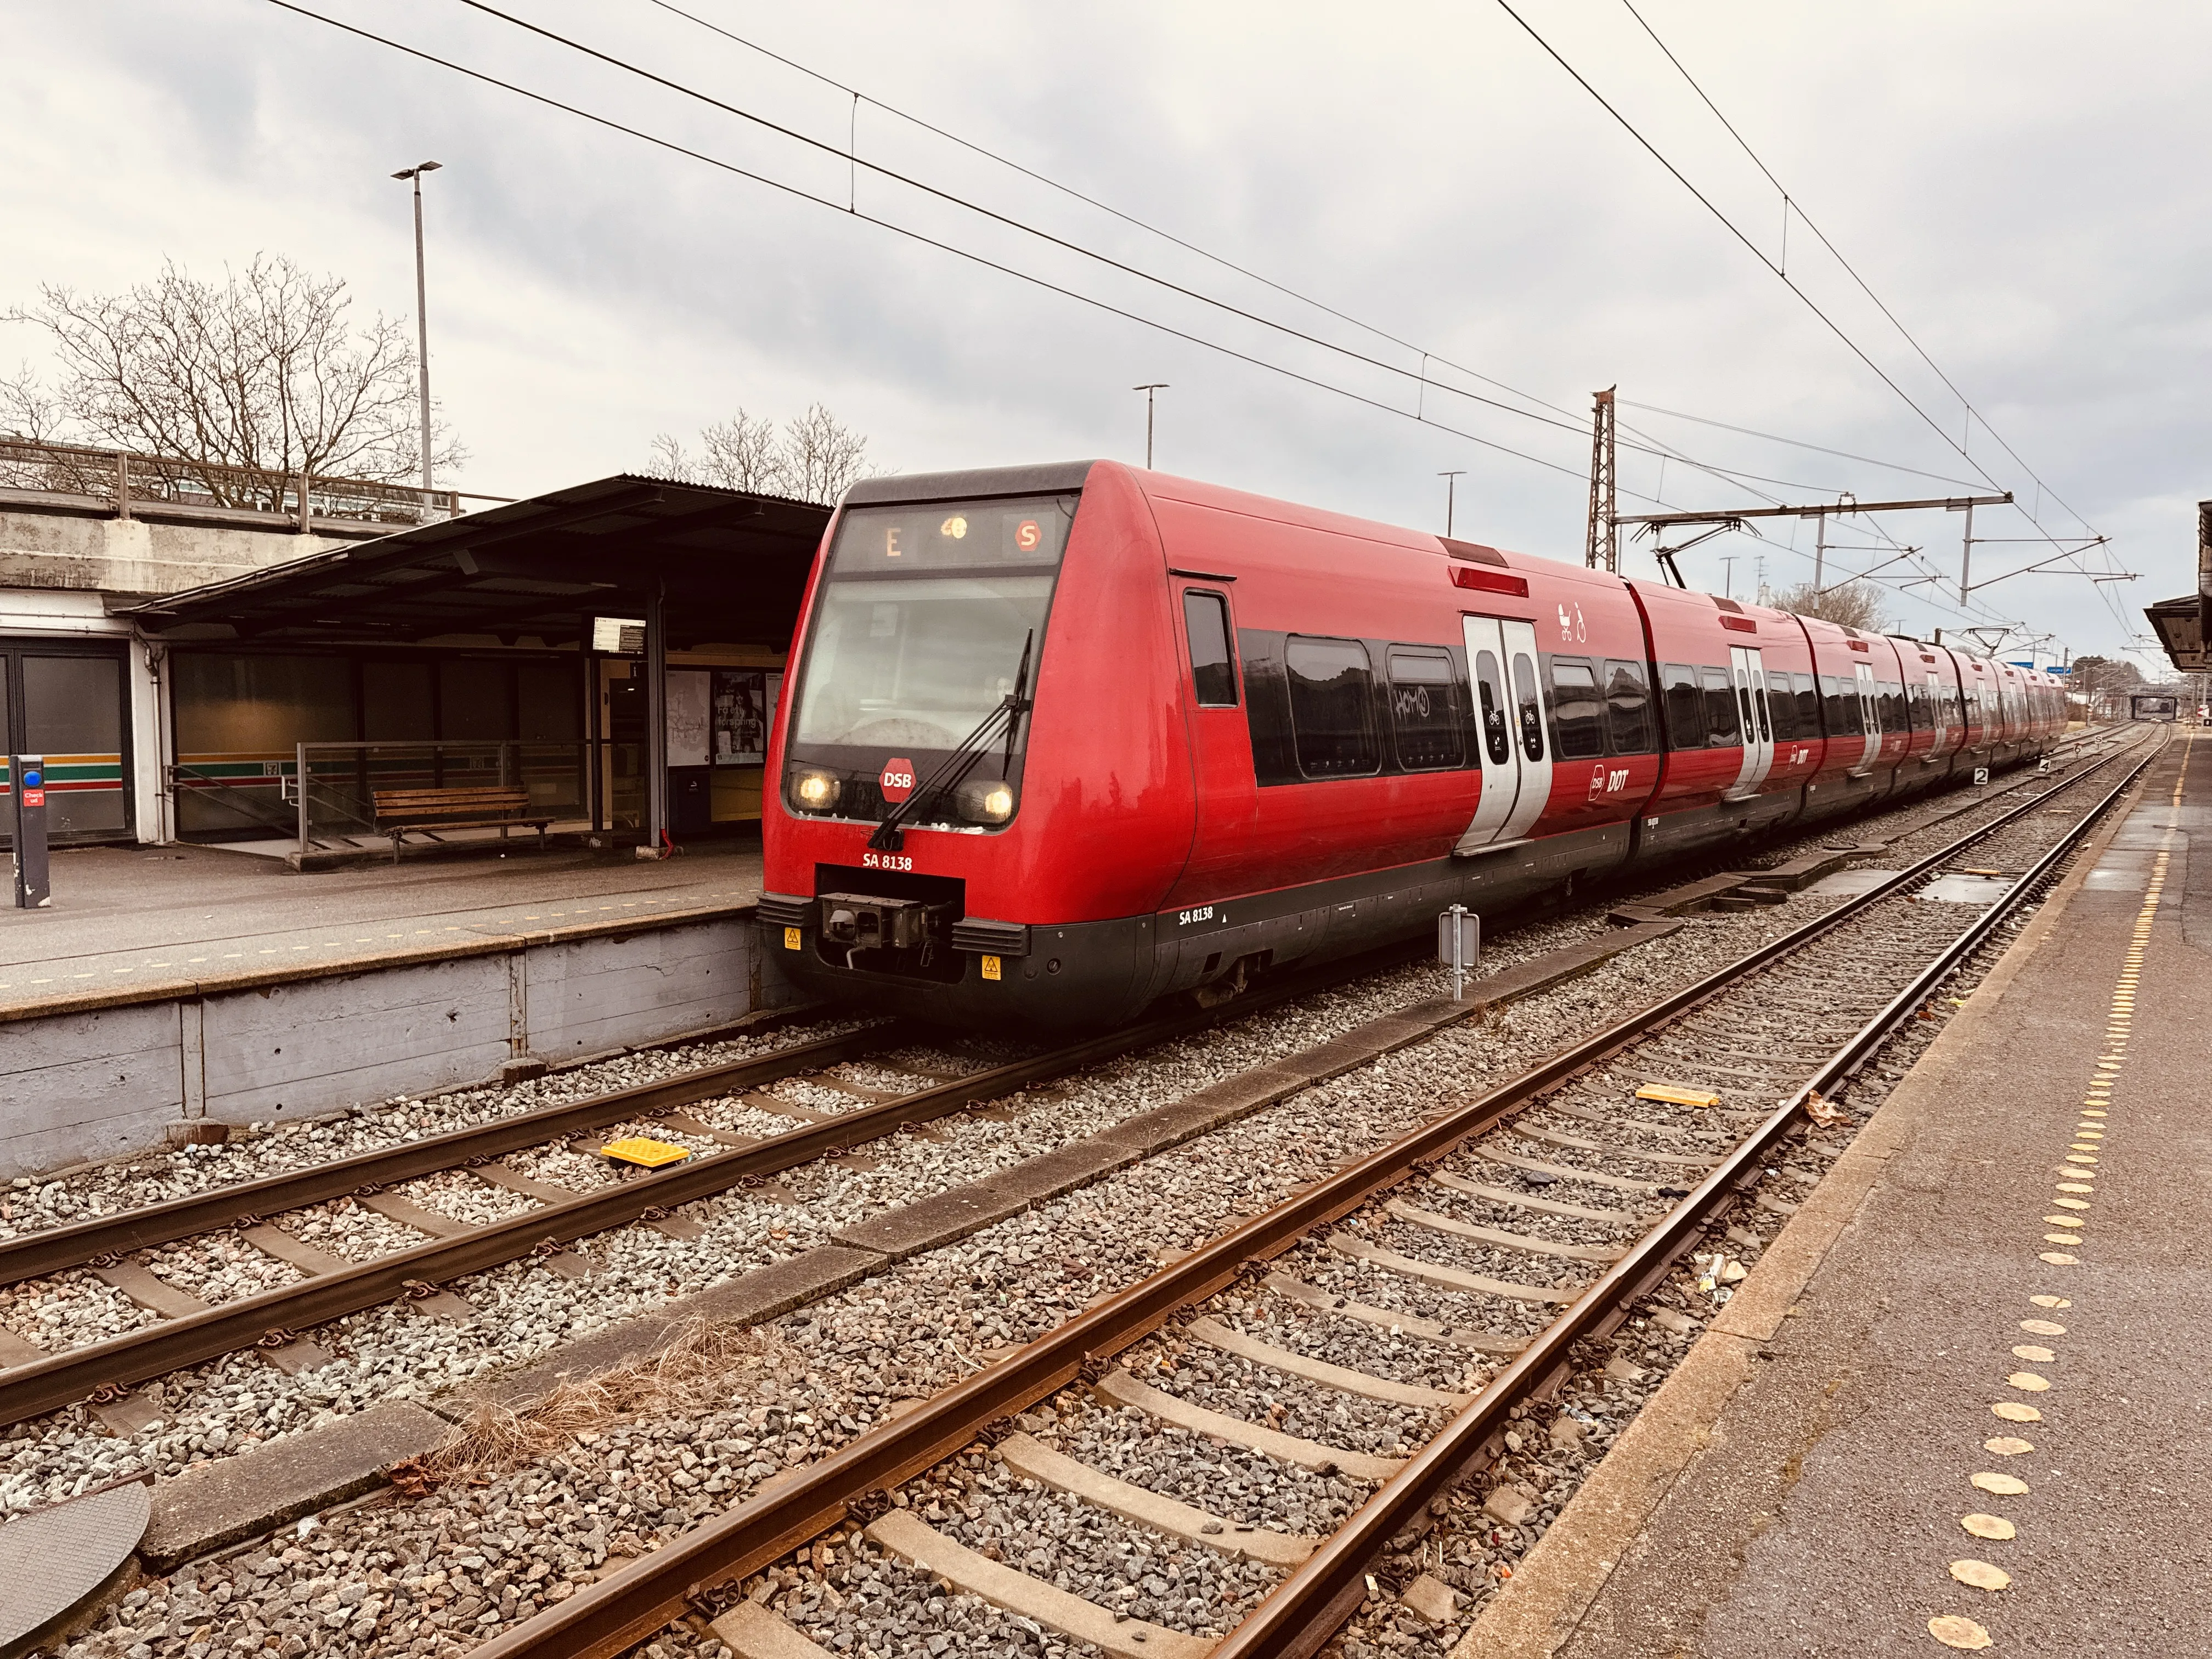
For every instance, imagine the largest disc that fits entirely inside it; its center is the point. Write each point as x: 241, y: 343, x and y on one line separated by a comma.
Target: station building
x: 172, y: 636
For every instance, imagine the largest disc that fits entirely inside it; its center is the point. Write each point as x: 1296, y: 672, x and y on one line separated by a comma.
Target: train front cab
x: 1031, y: 885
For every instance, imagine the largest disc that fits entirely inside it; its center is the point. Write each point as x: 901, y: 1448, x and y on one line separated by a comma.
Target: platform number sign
x: 1981, y: 775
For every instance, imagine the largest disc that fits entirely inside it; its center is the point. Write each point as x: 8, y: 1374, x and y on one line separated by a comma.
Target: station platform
x: 1961, y: 1403
x: 140, y: 918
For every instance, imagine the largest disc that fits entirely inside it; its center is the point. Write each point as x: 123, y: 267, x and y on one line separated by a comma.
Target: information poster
x: 687, y: 717
x: 745, y: 707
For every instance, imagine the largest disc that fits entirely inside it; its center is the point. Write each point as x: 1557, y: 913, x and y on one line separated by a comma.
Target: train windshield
x: 924, y: 616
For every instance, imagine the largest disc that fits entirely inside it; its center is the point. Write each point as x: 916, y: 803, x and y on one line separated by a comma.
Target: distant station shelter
x: 613, y: 650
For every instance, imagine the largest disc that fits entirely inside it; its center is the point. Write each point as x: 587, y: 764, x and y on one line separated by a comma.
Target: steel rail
x: 627, y: 1606
x: 32, y: 1255
x: 1306, y: 1608
x: 151, y: 1350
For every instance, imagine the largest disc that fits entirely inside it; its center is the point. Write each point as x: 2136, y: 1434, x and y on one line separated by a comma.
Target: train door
x: 1869, y: 716
x: 1513, y: 743
x: 1939, y: 711
x: 1748, y: 671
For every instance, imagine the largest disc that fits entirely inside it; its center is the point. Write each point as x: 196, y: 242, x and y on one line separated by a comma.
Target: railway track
x: 1498, y: 1236
x: 549, y: 1219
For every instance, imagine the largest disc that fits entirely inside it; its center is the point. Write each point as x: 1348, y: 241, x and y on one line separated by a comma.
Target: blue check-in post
x: 27, y: 824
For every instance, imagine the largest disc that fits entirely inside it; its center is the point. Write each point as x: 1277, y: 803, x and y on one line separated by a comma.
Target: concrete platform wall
x: 102, y: 1082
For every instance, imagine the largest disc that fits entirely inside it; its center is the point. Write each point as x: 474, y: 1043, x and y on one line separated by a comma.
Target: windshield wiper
x: 952, y: 771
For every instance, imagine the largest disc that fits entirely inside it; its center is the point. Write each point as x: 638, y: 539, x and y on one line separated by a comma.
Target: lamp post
x: 414, y: 175
x: 1149, y: 390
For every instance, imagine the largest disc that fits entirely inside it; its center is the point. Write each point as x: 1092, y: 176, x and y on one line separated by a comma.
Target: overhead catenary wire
x: 1789, y: 205
x: 1566, y: 422
x: 848, y: 208
x: 1649, y: 445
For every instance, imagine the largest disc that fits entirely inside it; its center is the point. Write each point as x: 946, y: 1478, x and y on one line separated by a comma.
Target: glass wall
x: 67, y: 703
x: 240, y: 714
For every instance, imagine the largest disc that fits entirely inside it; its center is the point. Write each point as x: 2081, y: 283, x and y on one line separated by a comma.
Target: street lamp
x: 1148, y: 390
x: 414, y: 175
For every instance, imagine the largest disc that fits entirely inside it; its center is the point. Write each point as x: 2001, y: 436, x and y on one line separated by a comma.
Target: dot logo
x: 898, y: 779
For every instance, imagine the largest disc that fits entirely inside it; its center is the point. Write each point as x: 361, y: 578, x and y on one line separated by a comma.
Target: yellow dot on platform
x: 2050, y: 1302
x: 1954, y: 1631
x: 2028, y: 1382
x: 2007, y: 1445
x: 2029, y: 1350
x: 2013, y: 1411
x: 2075, y: 1187
x: 2001, y: 1486
x: 2066, y: 1221
x: 2042, y: 1327
x: 2059, y: 1259
x: 2061, y: 1238
x: 1980, y: 1574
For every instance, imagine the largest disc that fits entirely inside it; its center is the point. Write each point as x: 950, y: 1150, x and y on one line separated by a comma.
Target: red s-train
x: 1062, y: 740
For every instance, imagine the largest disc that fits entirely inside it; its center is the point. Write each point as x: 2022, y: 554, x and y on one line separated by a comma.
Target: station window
x: 1332, y: 706
x: 1628, y: 707
x: 1724, y: 728
x: 1212, y: 663
x: 1425, y: 713
x: 1685, y: 706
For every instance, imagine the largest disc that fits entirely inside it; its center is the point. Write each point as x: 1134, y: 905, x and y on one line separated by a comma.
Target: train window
x: 1332, y: 706
x: 1530, y: 707
x: 1842, y: 694
x: 1685, y: 706
x: 1213, y: 664
x: 1628, y: 708
x: 1809, y: 705
x: 1489, y: 691
x: 1780, y: 708
x: 1917, y: 707
x: 1723, y: 726
x: 1577, y: 709
x: 1424, y: 721
x: 1889, y: 701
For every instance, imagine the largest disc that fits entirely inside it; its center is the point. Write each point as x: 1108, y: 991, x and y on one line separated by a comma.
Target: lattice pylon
x: 1602, y: 549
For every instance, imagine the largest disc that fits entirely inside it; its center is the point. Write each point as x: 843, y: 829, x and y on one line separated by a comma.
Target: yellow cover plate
x: 1675, y: 1095
x: 649, y: 1154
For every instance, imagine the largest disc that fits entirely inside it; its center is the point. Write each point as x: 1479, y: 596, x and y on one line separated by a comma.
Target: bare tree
x: 266, y: 368
x: 825, y: 455
x: 741, y: 452
x: 1855, y: 604
x: 816, y: 457
x: 28, y: 410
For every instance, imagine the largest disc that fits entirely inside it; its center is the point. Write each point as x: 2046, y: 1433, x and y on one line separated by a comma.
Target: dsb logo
x: 898, y: 779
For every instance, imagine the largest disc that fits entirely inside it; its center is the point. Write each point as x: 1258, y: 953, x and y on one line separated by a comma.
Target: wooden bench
x: 466, y: 806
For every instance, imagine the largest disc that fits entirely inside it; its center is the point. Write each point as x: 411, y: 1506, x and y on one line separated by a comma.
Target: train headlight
x: 816, y: 791
x: 982, y: 801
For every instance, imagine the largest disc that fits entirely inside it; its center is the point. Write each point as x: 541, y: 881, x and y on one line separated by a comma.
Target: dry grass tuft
x: 697, y: 1369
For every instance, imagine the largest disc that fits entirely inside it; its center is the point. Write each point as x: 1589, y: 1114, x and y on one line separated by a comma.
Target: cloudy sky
x: 2020, y: 185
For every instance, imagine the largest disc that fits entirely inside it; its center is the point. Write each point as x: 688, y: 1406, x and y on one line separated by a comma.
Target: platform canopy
x: 2180, y: 624
x: 728, y: 567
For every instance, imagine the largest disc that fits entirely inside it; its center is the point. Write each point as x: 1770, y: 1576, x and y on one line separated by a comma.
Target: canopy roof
x: 731, y: 566
x: 2180, y: 624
